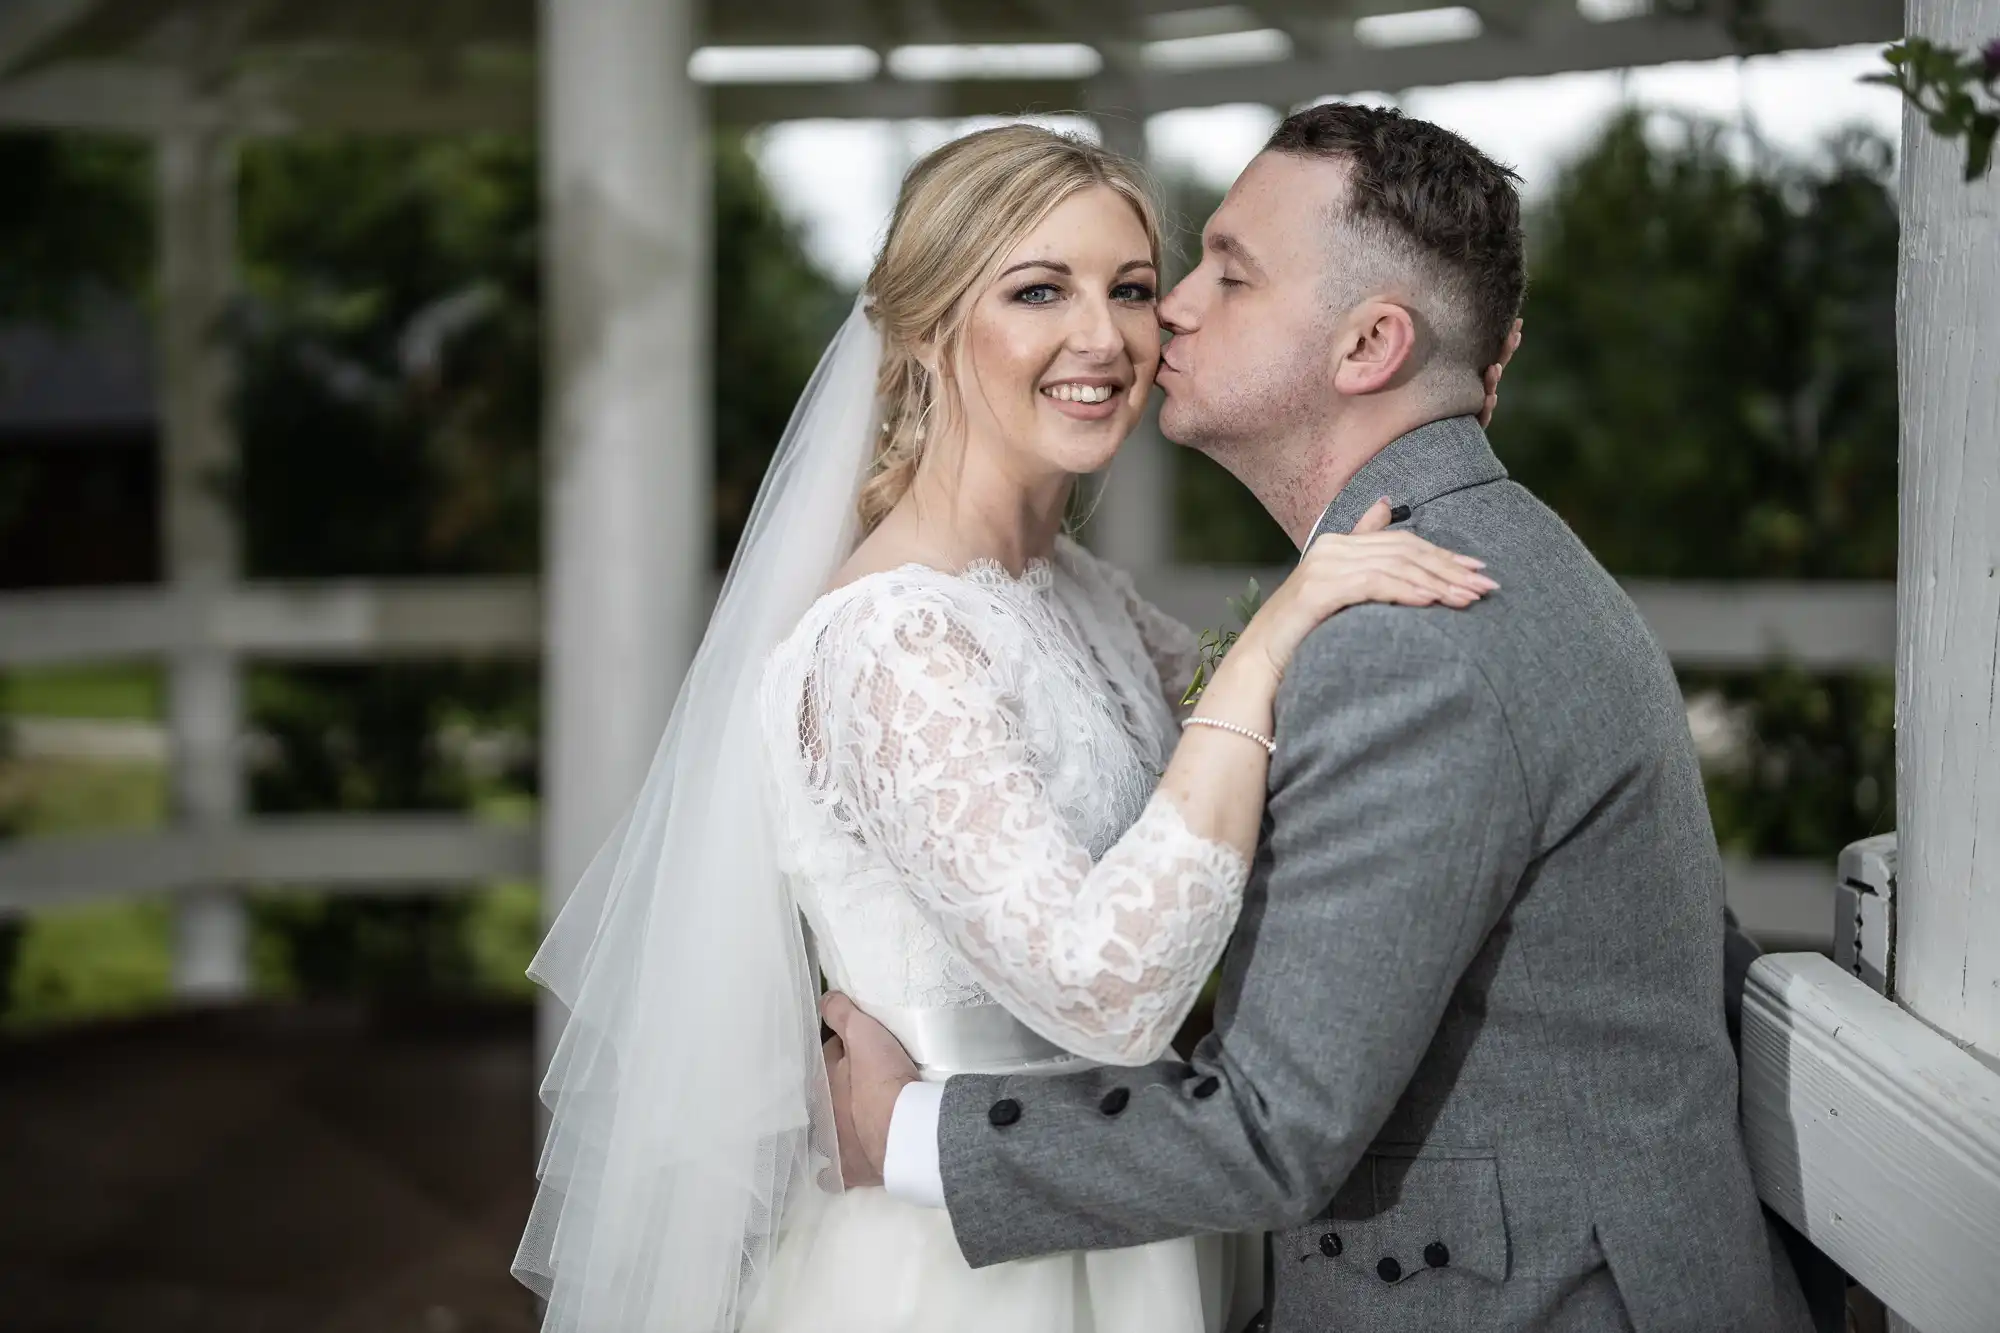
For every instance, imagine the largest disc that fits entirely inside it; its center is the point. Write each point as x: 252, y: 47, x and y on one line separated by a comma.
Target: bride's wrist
x: 1243, y: 691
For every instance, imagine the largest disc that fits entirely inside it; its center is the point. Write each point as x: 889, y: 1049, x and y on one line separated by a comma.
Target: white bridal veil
x: 689, y: 1107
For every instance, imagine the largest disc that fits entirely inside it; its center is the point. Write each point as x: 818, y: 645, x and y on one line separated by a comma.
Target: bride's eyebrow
x: 1057, y: 266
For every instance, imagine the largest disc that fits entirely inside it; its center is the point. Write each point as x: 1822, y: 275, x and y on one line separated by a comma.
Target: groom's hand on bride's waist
x: 866, y: 1069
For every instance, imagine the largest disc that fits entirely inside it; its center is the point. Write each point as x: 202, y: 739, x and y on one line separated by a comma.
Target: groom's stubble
x: 1269, y: 430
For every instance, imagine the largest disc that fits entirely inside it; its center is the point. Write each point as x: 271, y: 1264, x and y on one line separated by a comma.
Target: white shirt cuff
x: 910, y: 1169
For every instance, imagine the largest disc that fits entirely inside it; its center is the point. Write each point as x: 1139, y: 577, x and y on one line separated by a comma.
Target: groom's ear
x: 1376, y: 350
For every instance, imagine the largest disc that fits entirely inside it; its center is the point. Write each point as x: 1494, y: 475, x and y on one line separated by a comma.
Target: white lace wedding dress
x: 963, y: 769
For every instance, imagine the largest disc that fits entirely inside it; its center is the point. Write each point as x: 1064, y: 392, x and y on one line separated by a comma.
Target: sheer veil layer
x: 688, y: 1105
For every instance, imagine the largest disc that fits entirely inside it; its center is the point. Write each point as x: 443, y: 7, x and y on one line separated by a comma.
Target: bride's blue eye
x: 1042, y: 293
x: 1133, y: 291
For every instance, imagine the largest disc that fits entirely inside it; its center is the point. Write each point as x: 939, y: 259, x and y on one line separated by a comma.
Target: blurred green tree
x: 391, y: 412
x: 78, y: 222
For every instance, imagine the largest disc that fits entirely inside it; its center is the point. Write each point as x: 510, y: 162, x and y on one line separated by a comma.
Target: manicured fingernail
x: 1470, y: 562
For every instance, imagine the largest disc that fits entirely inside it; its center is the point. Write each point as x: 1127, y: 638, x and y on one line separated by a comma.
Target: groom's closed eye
x: 1238, y: 267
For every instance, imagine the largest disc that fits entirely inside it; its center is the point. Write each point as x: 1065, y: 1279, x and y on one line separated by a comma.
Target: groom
x: 1469, y: 1068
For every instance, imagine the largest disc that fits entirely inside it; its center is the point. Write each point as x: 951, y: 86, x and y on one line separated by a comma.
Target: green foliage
x: 1216, y: 643
x: 391, y: 410
x: 390, y: 403
x: 1707, y: 389
x: 1957, y: 92
x: 78, y: 220
x: 774, y: 314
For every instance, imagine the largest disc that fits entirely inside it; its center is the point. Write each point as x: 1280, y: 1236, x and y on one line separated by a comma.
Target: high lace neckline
x: 1037, y: 575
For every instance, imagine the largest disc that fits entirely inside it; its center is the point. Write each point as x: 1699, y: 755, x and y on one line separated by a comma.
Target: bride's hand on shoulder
x: 1370, y: 564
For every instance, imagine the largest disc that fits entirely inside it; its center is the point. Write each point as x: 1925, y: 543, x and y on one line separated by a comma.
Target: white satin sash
x: 976, y: 1039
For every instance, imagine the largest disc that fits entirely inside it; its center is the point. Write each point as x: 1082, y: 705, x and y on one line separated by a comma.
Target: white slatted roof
x: 274, y: 65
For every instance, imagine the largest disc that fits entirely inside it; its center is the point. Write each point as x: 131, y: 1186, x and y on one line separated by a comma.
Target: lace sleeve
x: 921, y: 739
x: 1174, y: 648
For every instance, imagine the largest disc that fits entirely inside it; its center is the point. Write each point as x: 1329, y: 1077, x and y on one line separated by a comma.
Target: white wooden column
x: 626, y: 190
x: 196, y: 174
x: 1133, y: 522
x: 1948, y: 572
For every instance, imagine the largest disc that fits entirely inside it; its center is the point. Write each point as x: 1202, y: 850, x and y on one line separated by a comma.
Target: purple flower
x: 1990, y: 56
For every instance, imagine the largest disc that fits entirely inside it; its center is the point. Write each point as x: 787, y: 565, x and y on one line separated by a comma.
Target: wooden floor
x: 291, y: 1170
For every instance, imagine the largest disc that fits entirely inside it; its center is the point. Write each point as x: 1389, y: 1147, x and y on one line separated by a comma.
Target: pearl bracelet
x: 1270, y: 746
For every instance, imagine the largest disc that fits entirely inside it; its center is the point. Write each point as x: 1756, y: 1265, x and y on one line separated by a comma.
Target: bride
x: 932, y: 747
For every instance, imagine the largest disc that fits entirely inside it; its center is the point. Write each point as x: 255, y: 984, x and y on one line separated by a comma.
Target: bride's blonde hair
x: 962, y: 208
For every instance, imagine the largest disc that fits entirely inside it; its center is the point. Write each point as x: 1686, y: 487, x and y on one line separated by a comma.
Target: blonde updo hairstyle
x: 961, y: 210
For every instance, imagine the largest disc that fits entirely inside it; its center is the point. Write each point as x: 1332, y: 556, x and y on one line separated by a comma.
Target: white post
x: 196, y: 173
x: 626, y: 189
x: 1948, y: 571
x: 1133, y: 522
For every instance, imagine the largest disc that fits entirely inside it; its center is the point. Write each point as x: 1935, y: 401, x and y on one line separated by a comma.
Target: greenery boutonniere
x: 1215, y: 644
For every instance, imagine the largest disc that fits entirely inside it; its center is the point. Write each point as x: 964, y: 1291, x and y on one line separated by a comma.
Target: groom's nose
x: 1177, y: 308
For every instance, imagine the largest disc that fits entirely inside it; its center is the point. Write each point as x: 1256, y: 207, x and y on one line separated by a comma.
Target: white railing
x: 1830, y: 626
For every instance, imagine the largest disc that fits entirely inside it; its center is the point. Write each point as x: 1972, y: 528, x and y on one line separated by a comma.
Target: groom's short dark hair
x: 1431, y: 194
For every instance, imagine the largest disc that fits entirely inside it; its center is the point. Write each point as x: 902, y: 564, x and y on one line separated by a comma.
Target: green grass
x: 124, y: 692
x: 98, y: 961
x: 54, y: 796
x: 114, y: 958
x: 503, y: 931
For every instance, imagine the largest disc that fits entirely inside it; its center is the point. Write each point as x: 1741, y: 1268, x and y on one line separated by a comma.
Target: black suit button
x: 1207, y: 1087
x: 1003, y: 1113
x: 1114, y: 1101
x: 1436, y: 1255
x: 1330, y: 1246
x: 1388, y: 1270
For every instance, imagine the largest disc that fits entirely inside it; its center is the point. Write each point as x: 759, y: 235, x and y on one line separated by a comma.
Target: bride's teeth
x: 1079, y: 393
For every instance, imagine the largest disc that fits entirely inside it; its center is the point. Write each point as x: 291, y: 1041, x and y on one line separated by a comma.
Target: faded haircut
x: 1424, y: 204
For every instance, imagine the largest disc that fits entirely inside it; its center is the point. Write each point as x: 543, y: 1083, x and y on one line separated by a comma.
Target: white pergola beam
x: 1948, y: 724
x: 400, y: 94
x: 196, y: 173
x: 1819, y: 626
x: 626, y: 194
x: 26, y: 24
x: 1877, y: 1138
x: 336, y: 620
x: 351, y: 853
x: 1822, y: 626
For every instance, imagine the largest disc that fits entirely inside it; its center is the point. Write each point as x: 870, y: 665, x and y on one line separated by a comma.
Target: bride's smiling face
x: 1060, y: 348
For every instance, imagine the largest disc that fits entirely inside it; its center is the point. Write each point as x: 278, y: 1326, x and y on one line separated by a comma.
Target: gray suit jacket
x: 1470, y: 1068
